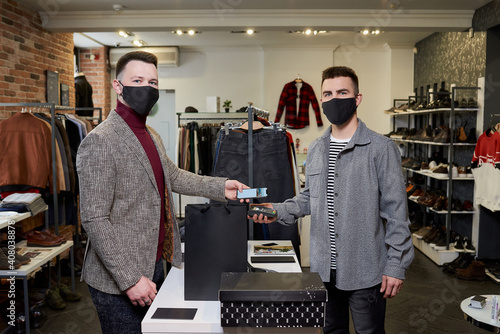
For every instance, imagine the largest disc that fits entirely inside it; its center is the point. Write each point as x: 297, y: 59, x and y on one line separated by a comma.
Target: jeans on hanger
x: 271, y: 170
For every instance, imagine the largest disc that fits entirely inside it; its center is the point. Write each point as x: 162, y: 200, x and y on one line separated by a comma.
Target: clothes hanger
x: 298, y: 79
x: 256, y: 125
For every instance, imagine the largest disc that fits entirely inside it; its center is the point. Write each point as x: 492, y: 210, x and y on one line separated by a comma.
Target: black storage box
x: 272, y: 300
x: 215, y: 242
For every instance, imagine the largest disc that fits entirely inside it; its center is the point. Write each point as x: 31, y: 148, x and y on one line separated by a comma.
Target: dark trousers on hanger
x: 271, y: 170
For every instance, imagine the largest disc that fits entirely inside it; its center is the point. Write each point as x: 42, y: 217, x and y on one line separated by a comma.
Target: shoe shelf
x: 439, y: 176
x: 429, y: 111
x: 439, y: 257
x: 492, y: 277
x: 4, y: 221
x: 45, y: 255
x: 434, y: 117
x: 441, y: 212
x: 431, y: 142
x: 453, y: 212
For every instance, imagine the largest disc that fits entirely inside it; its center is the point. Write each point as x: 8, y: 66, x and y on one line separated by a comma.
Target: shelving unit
x: 42, y: 259
x: 439, y: 256
x: 25, y: 270
x: 4, y: 222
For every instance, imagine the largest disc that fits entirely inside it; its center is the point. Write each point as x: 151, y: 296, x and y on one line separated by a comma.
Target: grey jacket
x: 120, y: 204
x: 369, y: 189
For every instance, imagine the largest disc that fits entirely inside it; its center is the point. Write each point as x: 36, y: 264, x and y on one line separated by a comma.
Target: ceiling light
x: 307, y: 32
x: 190, y: 32
x: 371, y: 32
x: 139, y: 43
x: 125, y: 34
x: 248, y: 31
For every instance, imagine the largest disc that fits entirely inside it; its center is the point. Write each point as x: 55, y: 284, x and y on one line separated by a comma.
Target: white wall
x: 231, y: 73
x: 384, y: 74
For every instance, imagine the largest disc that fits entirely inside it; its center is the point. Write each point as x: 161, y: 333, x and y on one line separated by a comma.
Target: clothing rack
x: 210, y: 116
x: 207, y: 116
x: 235, y: 116
x: 52, y: 108
x: 99, y: 119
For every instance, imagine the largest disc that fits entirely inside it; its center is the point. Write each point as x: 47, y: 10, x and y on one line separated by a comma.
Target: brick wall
x: 27, y: 51
x: 94, y: 64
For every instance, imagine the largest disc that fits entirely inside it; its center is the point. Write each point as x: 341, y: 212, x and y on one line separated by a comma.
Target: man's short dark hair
x: 143, y: 56
x: 341, y: 71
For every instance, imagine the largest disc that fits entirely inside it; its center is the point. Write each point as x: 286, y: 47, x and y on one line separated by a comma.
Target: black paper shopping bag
x: 215, y: 242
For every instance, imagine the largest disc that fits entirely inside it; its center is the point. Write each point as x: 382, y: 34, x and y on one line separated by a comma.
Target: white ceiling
x: 403, y: 22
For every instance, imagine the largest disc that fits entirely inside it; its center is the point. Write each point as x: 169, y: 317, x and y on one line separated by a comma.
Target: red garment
x: 137, y: 124
x: 487, y: 149
x: 288, y: 99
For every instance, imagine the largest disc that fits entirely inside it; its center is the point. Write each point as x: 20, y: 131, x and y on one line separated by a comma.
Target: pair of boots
x: 57, y: 297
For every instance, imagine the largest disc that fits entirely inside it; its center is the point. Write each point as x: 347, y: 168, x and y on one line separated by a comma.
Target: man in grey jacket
x: 126, y: 200
x: 355, y: 193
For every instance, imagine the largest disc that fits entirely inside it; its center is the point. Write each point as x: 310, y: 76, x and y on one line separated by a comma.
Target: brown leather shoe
x: 431, y: 235
x: 443, y: 135
x: 475, y: 271
x: 439, y: 204
x: 431, y: 200
x: 41, y: 239
x: 54, y: 236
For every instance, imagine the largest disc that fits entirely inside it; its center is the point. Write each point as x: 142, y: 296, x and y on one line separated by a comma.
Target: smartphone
x: 253, y: 193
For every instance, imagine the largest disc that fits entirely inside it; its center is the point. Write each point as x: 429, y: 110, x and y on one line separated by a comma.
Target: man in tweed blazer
x: 126, y: 203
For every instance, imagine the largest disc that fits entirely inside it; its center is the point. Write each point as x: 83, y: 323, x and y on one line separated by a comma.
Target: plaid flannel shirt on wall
x: 288, y: 100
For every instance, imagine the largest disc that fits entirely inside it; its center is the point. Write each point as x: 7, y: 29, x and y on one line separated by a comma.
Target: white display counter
x: 207, y: 317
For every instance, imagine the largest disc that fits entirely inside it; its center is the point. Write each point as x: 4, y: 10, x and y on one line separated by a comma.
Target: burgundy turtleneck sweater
x: 137, y: 124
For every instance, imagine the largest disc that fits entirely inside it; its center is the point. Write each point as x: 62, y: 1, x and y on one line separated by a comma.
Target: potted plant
x: 226, y: 105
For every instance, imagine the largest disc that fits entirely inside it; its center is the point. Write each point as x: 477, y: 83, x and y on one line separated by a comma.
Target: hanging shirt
x: 288, y: 100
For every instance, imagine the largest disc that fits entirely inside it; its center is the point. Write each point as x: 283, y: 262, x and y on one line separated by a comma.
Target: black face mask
x: 140, y: 98
x: 339, y: 111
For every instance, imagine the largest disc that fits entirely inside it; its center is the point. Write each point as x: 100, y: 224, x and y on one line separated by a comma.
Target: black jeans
x: 271, y: 170
x: 116, y: 312
x: 367, y: 309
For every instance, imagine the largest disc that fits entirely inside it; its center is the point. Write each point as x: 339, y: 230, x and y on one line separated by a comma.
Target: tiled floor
x: 429, y: 303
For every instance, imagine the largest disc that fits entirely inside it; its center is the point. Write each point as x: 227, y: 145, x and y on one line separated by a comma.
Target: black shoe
x: 459, y: 244
x: 464, y: 262
x: 468, y: 246
x: 455, y: 262
x: 441, y: 243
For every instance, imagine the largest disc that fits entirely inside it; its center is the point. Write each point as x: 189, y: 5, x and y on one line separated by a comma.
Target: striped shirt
x: 336, y: 145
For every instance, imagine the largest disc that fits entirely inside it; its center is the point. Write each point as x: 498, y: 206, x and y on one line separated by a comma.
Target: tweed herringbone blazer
x: 120, y: 204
